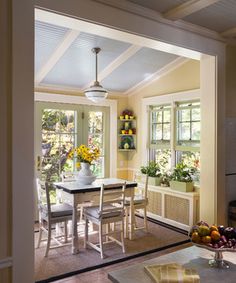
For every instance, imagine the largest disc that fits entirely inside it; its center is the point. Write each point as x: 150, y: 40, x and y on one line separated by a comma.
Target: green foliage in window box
x: 182, y: 173
x: 152, y: 169
x: 181, y: 178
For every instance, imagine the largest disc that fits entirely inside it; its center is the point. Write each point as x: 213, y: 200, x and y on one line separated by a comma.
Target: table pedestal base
x: 218, y: 261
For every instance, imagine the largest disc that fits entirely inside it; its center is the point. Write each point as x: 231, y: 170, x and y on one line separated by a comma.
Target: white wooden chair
x: 51, y: 214
x: 110, y: 211
x: 71, y: 176
x: 140, y: 202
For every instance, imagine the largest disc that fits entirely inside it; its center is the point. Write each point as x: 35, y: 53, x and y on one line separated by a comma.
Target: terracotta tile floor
x: 100, y: 276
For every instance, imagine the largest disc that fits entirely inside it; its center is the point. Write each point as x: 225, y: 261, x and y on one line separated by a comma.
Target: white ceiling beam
x: 62, y: 89
x: 229, y: 33
x: 157, y: 75
x: 57, y: 54
x: 187, y: 9
x: 116, y: 63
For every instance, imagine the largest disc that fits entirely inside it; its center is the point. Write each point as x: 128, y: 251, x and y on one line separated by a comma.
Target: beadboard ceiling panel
x: 47, y: 38
x: 138, y: 68
x: 76, y: 68
x: 219, y: 17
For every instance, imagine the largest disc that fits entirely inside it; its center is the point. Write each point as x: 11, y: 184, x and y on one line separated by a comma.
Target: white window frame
x: 185, y: 147
x: 112, y: 104
x: 171, y: 99
x: 158, y: 145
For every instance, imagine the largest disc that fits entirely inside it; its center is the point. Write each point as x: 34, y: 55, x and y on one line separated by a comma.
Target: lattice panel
x: 177, y: 209
x: 154, y: 202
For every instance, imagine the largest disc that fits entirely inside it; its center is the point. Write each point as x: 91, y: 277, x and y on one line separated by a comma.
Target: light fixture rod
x: 96, y: 92
x: 96, y: 50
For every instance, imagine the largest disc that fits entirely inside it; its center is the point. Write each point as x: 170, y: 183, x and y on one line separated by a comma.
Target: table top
x: 75, y: 187
x: 192, y: 257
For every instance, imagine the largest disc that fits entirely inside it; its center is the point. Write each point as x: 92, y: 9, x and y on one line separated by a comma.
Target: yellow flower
x: 84, y: 154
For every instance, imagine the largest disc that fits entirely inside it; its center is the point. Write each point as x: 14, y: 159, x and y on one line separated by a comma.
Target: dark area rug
x: 61, y: 263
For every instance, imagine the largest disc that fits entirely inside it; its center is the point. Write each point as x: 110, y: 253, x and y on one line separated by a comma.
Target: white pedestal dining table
x: 76, y: 193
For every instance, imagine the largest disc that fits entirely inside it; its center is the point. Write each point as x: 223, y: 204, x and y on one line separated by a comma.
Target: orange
x: 215, y: 235
x: 206, y: 239
x: 213, y: 228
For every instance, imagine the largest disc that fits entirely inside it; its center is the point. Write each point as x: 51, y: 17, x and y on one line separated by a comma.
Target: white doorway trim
x: 21, y: 39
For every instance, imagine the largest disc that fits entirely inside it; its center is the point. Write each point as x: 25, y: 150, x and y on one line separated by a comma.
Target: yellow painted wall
x: 186, y: 77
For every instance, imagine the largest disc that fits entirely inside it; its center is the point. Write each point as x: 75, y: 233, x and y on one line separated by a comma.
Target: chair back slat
x: 116, y: 198
x: 43, y: 195
x: 146, y: 187
x: 144, y: 179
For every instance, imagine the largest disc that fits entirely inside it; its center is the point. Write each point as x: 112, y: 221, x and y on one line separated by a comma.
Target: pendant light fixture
x: 96, y: 92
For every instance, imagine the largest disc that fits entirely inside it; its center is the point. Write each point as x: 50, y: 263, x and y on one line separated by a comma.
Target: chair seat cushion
x: 60, y: 210
x: 94, y: 212
x: 57, y: 210
x: 138, y: 199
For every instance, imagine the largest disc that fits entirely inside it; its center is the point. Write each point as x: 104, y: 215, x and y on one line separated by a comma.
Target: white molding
x: 112, y: 104
x: 6, y: 262
x: 59, y: 88
x: 188, y: 8
x: 50, y: 88
x: 157, y: 75
x: 72, y: 23
x: 172, y: 97
x: 158, y: 17
x: 57, y: 54
x: 116, y: 63
x: 229, y: 33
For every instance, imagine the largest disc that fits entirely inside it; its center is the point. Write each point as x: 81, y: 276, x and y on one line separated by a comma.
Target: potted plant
x: 181, y: 178
x: 153, y: 171
x: 165, y: 179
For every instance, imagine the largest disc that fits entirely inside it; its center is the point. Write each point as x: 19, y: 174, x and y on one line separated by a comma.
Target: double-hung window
x: 187, y: 145
x: 175, y: 135
x: 160, y: 135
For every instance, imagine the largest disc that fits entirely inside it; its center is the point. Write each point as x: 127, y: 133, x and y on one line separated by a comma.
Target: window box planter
x: 154, y: 181
x: 185, y: 187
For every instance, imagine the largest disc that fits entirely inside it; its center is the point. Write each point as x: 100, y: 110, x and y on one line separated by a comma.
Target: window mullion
x: 190, y: 126
x: 173, y: 131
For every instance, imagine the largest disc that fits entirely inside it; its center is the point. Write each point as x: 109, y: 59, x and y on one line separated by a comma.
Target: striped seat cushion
x: 57, y: 210
x: 94, y: 212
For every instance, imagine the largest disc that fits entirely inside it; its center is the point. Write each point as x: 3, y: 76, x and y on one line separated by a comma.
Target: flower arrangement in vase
x: 85, y: 155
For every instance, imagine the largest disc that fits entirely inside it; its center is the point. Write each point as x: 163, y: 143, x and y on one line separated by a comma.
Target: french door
x: 60, y: 127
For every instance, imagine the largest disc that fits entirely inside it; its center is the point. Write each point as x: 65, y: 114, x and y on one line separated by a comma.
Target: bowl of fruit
x: 214, y: 238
